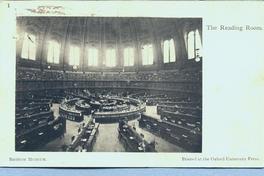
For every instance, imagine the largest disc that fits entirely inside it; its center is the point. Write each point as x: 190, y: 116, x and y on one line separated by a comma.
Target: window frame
x: 170, y: 50
x: 94, y: 49
x: 112, y: 56
x: 194, y: 43
x: 129, y: 57
x: 58, y: 47
x: 75, y: 48
x: 30, y: 48
x: 145, y: 49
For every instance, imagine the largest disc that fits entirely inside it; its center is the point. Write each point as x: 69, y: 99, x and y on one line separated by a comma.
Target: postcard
x: 132, y: 84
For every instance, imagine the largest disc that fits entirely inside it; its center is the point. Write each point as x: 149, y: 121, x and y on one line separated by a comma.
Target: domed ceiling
x: 104, y: 33
x: 102, y: 30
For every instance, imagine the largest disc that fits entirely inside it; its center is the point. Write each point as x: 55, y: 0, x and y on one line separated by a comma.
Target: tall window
x: 29, y: 47
x: 128, y: 57
x: 169, y: 51
x: 53, y: 52
x: 93, y: 57
x: 194, y: 44
x: 74, y: 58
x: 147, y: 55
x: 110, y: 58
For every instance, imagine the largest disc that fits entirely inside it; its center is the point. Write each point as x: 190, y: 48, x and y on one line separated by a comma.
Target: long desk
x: 85, y: 139
x: 31, y: 138
x: 184, y: 110
x: 183, y: 119
x: 132, y: 141
x: 70, y: 114
x: 188, y: 138
x: 111, y: 117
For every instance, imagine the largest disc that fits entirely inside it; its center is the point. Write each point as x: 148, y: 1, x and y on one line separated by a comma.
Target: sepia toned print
x: 108, y: 84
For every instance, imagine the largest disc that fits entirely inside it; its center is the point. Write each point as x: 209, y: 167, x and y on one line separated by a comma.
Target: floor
x: 107, y: 139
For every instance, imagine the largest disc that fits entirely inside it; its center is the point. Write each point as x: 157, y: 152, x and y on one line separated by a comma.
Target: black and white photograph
x: 123, y: 84
x: 108, y: 84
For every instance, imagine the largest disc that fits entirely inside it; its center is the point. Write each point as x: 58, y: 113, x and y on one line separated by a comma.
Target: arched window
x: 110, y: 58
x: 169, y: 51
x: 147, y: 55
x: 93, y: 57
x: 194, y: 44
x: 128, y: 57
x: 53, y: 52
x: 29, y: 47
x: 74, y: 58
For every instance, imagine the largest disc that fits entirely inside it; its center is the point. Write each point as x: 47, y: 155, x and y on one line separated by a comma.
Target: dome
x: 108, y: 36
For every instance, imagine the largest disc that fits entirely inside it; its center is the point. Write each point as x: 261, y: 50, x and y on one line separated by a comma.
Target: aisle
x: 107, y: 139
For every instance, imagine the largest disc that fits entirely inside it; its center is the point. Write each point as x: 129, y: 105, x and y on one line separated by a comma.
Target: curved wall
x: 188, y: 81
